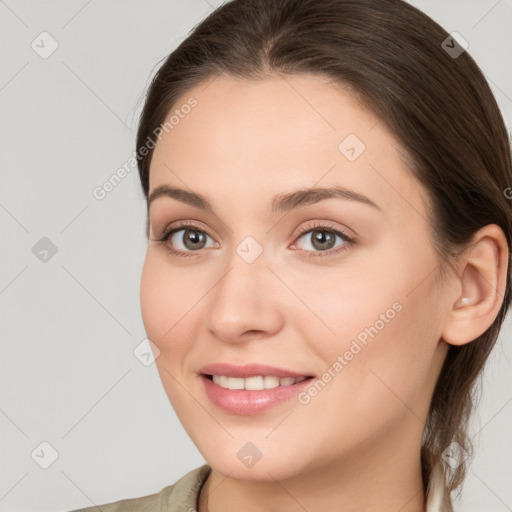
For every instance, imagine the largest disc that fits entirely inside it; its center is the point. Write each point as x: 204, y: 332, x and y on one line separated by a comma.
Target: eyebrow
x: 280, y: 203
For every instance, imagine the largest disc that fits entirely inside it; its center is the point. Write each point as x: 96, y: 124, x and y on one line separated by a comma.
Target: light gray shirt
x: 182, y: 496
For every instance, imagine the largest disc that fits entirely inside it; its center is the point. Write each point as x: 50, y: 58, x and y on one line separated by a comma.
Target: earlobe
x: 482, y: 284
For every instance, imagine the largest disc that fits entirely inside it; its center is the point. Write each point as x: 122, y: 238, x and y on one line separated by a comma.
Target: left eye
x: 319, y: 239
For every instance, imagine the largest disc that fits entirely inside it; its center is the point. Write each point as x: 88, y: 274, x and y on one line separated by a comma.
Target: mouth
x: 255, y: 382
x: 254, y: 394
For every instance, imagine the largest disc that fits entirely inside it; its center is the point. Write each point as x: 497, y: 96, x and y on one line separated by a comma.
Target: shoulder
x: 182, y: 495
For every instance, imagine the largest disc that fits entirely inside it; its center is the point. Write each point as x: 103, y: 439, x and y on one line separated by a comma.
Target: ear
x: 480, y: 286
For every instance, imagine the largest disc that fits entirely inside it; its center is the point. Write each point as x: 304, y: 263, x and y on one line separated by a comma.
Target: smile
x: 256, y: 383
x: 250, y: 395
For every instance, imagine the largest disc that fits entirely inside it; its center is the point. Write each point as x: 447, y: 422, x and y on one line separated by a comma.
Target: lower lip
x: 244, y: 401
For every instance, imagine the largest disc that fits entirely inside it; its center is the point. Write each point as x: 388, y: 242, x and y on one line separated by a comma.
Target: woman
x: 328, y: 261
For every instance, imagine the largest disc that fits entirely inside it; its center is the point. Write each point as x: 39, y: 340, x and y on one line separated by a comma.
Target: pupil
x: 321, y: 237
x: 194, y: 237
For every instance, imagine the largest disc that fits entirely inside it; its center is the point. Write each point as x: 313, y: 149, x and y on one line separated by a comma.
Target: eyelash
x: 349, y: 241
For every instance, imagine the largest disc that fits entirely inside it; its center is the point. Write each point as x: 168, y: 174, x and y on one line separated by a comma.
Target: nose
x: 244, y: 303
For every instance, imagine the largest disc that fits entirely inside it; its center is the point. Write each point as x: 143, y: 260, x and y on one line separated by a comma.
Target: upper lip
x: 248, y: 370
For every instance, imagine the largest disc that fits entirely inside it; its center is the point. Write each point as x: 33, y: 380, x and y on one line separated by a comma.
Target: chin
x: 267, y: 469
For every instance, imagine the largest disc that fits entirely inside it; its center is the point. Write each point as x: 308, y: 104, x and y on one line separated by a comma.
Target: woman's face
x: 262, y: 279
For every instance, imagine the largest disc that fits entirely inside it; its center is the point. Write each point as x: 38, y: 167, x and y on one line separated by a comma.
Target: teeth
x: 254, y: 383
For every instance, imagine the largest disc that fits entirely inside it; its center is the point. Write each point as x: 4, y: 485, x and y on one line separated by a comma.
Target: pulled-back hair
x: 428, y: 92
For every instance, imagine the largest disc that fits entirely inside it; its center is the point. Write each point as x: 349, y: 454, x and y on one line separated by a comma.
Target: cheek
x: 376, y: 331
x: 167, y: 303
x: 168, y: 313
x: 340, y: 305
x: 369, y: 387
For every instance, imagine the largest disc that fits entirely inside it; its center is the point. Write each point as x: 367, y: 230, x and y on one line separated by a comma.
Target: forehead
x: 254, y: 138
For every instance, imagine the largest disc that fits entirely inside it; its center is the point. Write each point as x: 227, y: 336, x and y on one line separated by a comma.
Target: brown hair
x: 437, y: 103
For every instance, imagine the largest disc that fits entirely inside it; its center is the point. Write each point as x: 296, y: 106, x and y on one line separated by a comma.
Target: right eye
x: 184, y: 239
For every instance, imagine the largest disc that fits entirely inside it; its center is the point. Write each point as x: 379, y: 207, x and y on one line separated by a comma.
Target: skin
x: 356, y: 445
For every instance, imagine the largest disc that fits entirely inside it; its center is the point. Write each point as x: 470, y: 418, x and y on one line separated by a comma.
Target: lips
x: 244, y: 401
x: 250, y: 402
x: 249, y: 370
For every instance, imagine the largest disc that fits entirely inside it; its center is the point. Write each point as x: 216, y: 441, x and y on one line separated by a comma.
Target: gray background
x: 70, y: 324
